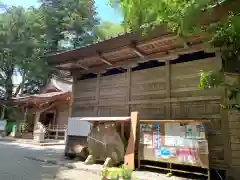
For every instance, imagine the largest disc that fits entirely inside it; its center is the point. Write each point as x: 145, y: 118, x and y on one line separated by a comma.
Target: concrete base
x: 38, y: 137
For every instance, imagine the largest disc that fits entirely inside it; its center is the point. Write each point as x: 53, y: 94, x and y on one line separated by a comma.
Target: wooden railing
x: 56, y: 132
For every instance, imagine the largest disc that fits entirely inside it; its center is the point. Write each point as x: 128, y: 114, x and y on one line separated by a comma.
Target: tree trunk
x: 20, y: 87
x: 9, y: 83
x: 54, y: 45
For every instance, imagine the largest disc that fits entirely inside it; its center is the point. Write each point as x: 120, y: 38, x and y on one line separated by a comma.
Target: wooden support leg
x: 209, y: 174
x: 170, y: 170
x: 129, y: 155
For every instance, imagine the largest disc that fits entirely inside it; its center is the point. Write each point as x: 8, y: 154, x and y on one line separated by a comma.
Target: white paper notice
x: 147, y: 139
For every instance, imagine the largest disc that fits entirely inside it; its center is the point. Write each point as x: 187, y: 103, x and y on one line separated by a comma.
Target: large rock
x: 104, y: 141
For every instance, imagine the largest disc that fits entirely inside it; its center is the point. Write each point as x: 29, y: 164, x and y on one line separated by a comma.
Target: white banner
x: 2, y: 125
x: 78, y: 127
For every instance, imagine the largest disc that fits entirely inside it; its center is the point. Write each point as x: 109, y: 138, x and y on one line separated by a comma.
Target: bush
x: 117, y: 173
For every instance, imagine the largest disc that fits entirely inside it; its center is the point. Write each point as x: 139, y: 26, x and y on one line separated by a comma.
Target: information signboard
x: 178, y: 143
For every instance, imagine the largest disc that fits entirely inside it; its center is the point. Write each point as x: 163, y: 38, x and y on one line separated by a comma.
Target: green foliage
x: 116, y: 173
x: 211, y: 79
x: 107, y: 30
x: 68, y: 20
x: 216, y: 79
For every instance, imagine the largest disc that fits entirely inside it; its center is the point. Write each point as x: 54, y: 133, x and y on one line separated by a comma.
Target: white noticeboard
x: 77, y: 127
x: 2, y: 125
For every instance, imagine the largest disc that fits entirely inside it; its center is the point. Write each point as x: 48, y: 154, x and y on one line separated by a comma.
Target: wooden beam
x: 184, y: 42
x: 81, y: 66
x: 154, y: 101
x: 138, y: 52
x: 160, y: 56
x: 103, y: 59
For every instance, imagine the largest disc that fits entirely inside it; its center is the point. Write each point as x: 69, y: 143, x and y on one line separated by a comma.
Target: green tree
x: 21, y: 47
x: 28, y: 34
x: 68, y: 18
x: 107, y: 30
x: 184, y: 17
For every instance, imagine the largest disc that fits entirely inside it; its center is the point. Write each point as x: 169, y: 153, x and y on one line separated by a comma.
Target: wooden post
x: 122, y: 129
x: 168, y: 88
x: 130, y: 152
x: 129, y: 73
x: 37, y: 117
x: 70, y: 108
x: 97, y: 96
x: 56, y: 136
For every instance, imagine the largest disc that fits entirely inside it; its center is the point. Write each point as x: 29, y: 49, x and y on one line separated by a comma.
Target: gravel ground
x: 16, y: 164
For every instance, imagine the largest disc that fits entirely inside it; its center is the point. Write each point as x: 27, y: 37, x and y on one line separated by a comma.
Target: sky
x: 106, y: 13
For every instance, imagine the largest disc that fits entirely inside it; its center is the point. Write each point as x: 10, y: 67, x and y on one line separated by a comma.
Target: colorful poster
x: 156, y: 136
x: 203, y: 147
x: 158, y: 153
x: 147, y: 139
x: 165, y: 153
x: 162, y: 153
x: 187, y: 155
x: 173, y: 152
x: 156, y: 140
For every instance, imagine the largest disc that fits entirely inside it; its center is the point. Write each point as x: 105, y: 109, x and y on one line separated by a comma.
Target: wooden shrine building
x: 156, y: 75
x: 50, y: 107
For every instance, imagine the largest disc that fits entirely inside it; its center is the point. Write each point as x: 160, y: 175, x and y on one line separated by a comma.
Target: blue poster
x: 157, y: 137
x: 165, y: 153
x: 162, y: 153
x: 156, y: 124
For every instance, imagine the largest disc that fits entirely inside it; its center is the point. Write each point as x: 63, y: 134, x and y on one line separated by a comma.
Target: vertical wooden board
x: 83, y: 111
x: 194, y: 67
x: 148, y: 84
x: 168, y: 88
x: 62, y: 115
x: 106, y: 111
x: 128, y: 89
x: 148, y: 74
x: 113, y: 88
x: 150, y: 111
x: 186, y: 77
x: 217, y: 157
x: 196, y: 110
x: 85, y: 90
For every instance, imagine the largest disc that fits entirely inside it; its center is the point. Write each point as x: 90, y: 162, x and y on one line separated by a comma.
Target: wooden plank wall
x: 165, y: 92
x: 234, y: 131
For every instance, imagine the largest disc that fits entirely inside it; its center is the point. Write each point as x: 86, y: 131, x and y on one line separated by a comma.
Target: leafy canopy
x: 27, y: 34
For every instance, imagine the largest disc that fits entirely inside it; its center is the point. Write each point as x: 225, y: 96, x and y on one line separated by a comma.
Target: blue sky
x: 105, y: 12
